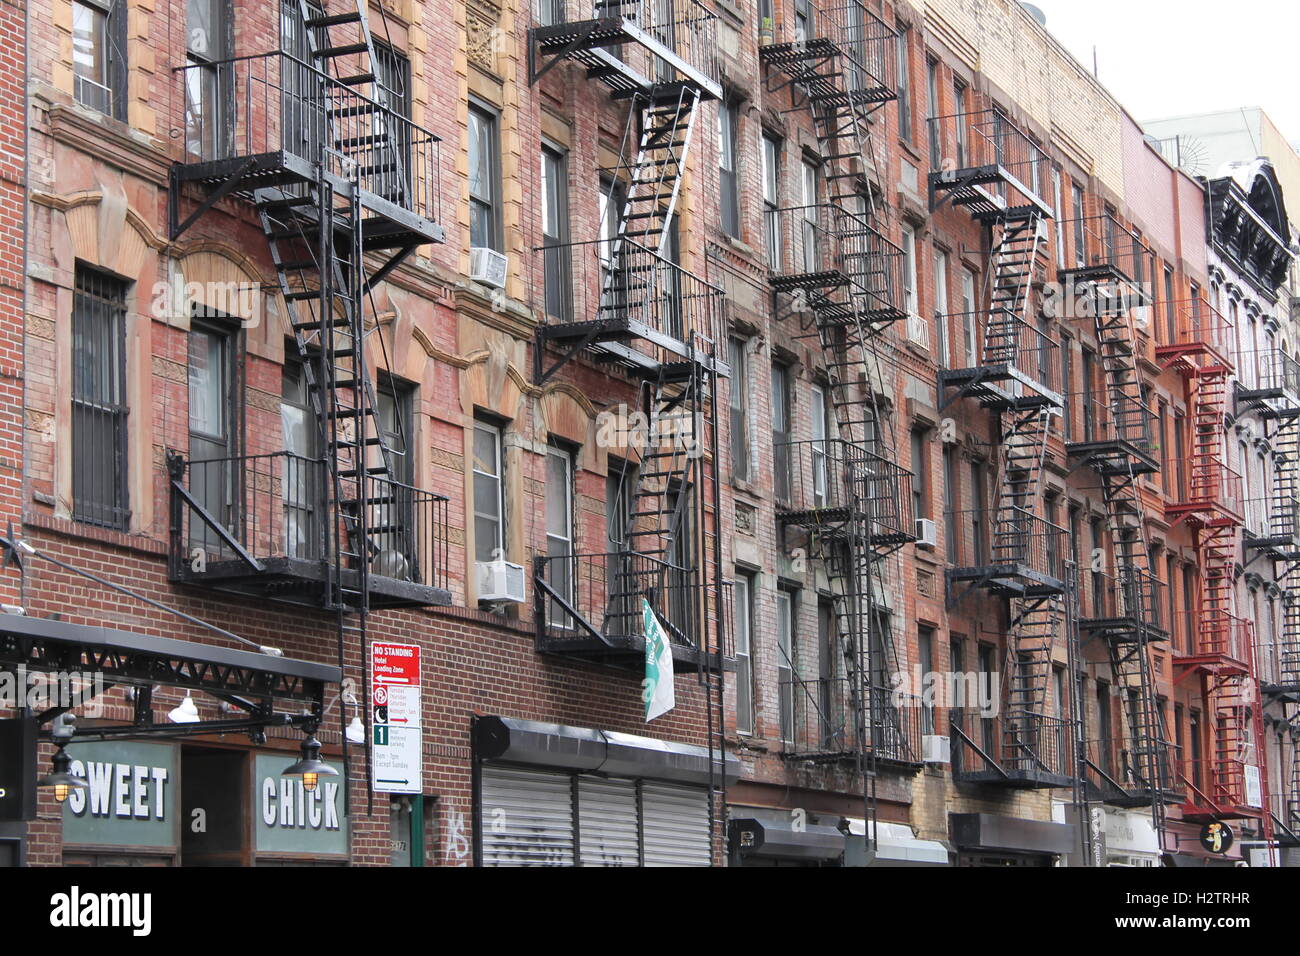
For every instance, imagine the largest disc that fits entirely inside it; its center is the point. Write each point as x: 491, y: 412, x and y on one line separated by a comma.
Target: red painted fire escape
x: 1207, y: 497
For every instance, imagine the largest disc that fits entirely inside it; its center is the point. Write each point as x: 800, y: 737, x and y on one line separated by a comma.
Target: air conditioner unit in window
x: 500, y: 582
x: 488, y: 266
x: 918, y: 331
x: 925, y: 533
x: 936, y: 749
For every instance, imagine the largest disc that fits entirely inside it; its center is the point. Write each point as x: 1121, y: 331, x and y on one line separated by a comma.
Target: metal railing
x: 817, y: 476
x: 1196, y: 324
x: 804, y: 242
x: 1271, y: 373
x: 987, y: 537
x: 1128, y: 593
x: 1215, y: 633
x: 1117, y: 772
x: 263, y: 507
x: 1104, y: 241
x: 685, y: 27
x: 1024, y: 743
x: 1113, y: 419
x: 1207, y: 484
x: 819, y: 718
x: 988, y: 138
x: 620, y: 280
x: 586, y: 595
x: 275, y: 103
x: 865, y: 42
x: 1219, y: 780
x: 1004, y: 338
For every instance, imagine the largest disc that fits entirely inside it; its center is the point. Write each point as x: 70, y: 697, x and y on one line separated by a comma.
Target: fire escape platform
x: 1011, y: 580
x: 1124, y: 629
x: 996, y: 386
x: 969, y: 187
x: 304, y: 582
x: 1110, y: 276
x: 1279, y: 547
x: 613, y: 341
x: 1015, y: 779
x: 584, y: 42
x: 811, y: 65
x: 390, y: 224
x: 1212, y: 665
x: 1114, y: 456
x: 622, y: 651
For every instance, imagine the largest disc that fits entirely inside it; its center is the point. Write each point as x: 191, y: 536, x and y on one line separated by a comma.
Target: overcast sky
x: 1165, y: 58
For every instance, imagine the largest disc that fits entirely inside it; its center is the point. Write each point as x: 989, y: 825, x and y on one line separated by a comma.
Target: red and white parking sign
x: 396, y: 752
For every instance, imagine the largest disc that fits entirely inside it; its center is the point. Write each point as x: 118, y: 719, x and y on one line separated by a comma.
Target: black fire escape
x: 832, y: 268
x: 345, y: 187
x: 1106, y: 283
x: 996, y: 173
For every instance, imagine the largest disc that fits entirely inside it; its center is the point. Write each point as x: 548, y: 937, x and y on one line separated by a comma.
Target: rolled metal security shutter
x: 607, y: 822
x: 675, y: 821
x: 526, y: 817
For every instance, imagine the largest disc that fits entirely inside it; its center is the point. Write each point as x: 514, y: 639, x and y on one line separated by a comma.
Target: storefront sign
x: 1216, y: 837
x: 396, y: 752
x: 292, y: 820
x: 132, y: 799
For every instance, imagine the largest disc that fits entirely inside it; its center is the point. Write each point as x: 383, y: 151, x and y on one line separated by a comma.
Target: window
x: 1189, y: 610
x: 970, y: 332
x: 550, y: 12
x: 489, y: 494
x: 1089, y: 404
x: 941, y: 308
x: 771, y: 200
x: 925, y: 661
x: 743, y: 592
x: 484, y: 166
x: 909, y: 269
x: 932, y: 91
x: 950, y: 502
x: 610, y: 204
x: 99, y: 413
x: 781, y: 430
x: 560, y: 573
x: 730, y: 198
x: 988, y: 725
x: 820, y: 417
x: 212, y: 469
x: 1097, y: 562
x: 785, y: 663
x: 920, y: 474
x: 392, y: 518
x: 302, y: 88
x: 301, y: 479
x: 620, y: 488
x: 904, y: 83
x: 738, y: 396
x: 959, y: 107
x: 1194, y: 738
x: 1080, y: 250
x: 207, y: 85
x: 555, y: 230
x: 1103, y: 726
x: 99, y: 55
x: 811, y: 240
x: 1171, y: 311
x: 831, y: 698
x: 393, y: 72
x: 1067, y: 384
x: 978, y: 542
x: 1056, y: 206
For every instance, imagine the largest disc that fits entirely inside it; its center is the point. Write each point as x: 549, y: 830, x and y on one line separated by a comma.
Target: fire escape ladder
x: 1032, y: 634
x: 653, y: 564
x: 1016, y: 259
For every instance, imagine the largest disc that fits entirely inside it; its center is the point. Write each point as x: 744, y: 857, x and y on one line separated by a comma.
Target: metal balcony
x: 1111, y: 774
x: 819, y: 720
x: 590, y: 607
x: 1022, y: 751
x: 835, y: 56
x: 1020, y: 555
x: 631, y: 46
x: 1110, y: 263
x: 1268, y: 381
x: 1127, y: 606
x: 257, y: 525
x: 834, y: 265
x: 839, y: 489
x: 1210, y: 488
x: 1116, y: 437
x: 1221, y: 644
x: 1272, y: 527
x: 988, y: 166
x: 1198, y: 338
x: 1025, y: 372
x: 271, y: 120
x: 625, y: 305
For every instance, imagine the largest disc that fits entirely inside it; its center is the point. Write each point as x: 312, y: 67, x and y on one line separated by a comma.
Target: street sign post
x: 396, y: 750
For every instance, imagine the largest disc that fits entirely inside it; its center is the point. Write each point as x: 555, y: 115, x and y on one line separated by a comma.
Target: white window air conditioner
x: 925, y: 533
x: 488, y: 266
x: 936, y: 749
x: 918, y: 331
x: 500, y: 582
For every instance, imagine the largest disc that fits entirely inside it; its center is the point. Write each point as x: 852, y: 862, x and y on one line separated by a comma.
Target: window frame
x: 738, y: 407
x: 743, y: 598
x: 497, y: 433
x: 728, y: 168
x: 489, y: 119
x: 114, y: 70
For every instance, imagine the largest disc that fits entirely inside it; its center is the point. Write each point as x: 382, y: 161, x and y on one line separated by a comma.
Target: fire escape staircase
x: 1127, y: 618
x: 325, y: 204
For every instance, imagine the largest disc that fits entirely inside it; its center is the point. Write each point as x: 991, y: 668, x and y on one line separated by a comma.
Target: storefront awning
x: 992, y: 831
x: 514, y: 740
x: 120, y: 656
x: 773, y: 834
x: 896, y: 845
